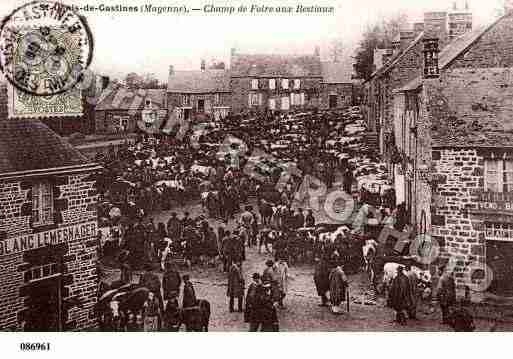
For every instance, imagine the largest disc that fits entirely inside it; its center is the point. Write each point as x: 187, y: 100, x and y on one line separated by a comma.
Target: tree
x: 336, y: 50
x: 379, y: 35
x: 217, y: 65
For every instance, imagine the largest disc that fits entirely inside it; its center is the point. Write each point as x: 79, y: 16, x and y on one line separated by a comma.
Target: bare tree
x: 336, y: 50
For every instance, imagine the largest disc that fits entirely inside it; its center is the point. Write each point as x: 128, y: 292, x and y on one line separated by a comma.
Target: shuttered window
x: 42, y: 203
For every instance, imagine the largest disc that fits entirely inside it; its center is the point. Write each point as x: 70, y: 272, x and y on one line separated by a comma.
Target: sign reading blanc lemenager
x: 45, y: 47
x: 28, y: 242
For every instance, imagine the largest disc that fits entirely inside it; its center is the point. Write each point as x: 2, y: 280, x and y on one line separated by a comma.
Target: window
x: 217, y: 99
x: 186, y: 100
x: 254, y: 84
x: 272, y: 84
x: 499, y: 232
x: 272, y: 104
x: 285, y: 103
x: 285, y: 83
x: 254, y: 99
x: 42, y: 203
x: 44, y: 271
x: 498, y: 176
x: 297, y: 84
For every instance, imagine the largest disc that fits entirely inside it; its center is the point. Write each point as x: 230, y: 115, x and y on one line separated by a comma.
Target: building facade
x: 48, y: 228
x: 199, y: 92
x: 275, y: 82
x: 120, y: 110
x: 454, y: 131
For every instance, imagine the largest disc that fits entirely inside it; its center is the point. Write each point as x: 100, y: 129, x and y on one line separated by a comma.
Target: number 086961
x: 35, y: 346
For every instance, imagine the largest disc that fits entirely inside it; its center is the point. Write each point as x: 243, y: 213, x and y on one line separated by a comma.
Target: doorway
x: 201, y: 105
x: 44, y: 302
x: 498, y: 258
x: 333, y: 101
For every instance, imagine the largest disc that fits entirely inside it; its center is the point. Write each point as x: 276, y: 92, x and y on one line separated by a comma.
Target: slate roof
x: 451, y: 52
x: 259, y: 65
x: 197, y: 81
x: 396, y: 58
x: 336, y: 72
x: 122, y: 98
x: 29, y: 145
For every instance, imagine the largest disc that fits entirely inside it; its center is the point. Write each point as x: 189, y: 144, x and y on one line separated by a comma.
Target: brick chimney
x: 460, y: 22
x: 405, y: 38
x: 317, y: 51
x: 418, y: 27
x: 202, y: 66
x: 435, y: 26
x: 171, y: 70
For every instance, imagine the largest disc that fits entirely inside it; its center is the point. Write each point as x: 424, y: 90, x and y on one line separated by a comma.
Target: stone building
x: 275, y: 82
x: 120, y: 110
x: 337, y: 85
x: 48, y: 227
x: 199, y: 92
x: 404, y: 65
x: 454, y: 144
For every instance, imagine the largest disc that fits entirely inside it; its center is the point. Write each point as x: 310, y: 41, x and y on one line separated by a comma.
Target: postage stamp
x: 44, y: 49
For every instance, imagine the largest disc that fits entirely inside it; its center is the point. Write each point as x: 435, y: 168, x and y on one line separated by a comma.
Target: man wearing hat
x: 189, y: 294
x: 235, y: 286
x: 267, y: 313
x: 251, y: 314
x: 400, y: 296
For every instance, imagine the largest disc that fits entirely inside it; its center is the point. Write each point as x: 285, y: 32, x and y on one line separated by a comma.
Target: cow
x: 197, y: 318
x: 390, y: 272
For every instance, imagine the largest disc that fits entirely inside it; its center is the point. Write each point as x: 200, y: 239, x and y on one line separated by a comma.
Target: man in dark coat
x: 171, y: 282
x: 309, y: 219
x: 251, y: 314
x: 189, y: 295
x: 400, y: 296
x: 173, y: 226
x: 152, y: 282
x: 235, y: 286
x: 322, y: 281
x: 267, y: 309
x: 446, y: 294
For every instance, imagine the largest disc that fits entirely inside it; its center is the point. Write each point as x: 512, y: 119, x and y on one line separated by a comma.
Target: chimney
x: 431, y: 51
x: 202, y: 65
x: 418, y: 27
x: 171, y: 70
x: 317, y: 51
x: 460, y: 22
x: 405, y: 38
x: 387, y: 56
x: 435, y: 26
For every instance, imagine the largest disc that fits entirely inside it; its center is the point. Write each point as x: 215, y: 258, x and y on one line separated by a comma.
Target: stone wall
x: 343, y: 91
x: 460, y: 233
x: 75, y: 199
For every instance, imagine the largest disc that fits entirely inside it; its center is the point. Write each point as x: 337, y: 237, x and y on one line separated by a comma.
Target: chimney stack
x: 460, y: 22
x: 202, y: 65
x: 431, y: 51
x: 171, y: 70
x: 405, y: 38
x: 418, y: 27
x: 435, y: 26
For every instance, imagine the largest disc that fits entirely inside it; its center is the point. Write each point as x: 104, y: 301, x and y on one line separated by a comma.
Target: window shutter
x: 249, y: 100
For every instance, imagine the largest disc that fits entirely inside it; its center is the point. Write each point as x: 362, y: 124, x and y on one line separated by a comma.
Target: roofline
x: 197, y: 92
x: 478, y: 37
x: 509, y: 147
x: 51, y: 171
x: 276, y: 76
x: 384, y: 69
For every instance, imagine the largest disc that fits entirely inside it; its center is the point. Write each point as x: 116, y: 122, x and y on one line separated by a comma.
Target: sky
x: 149, y: 43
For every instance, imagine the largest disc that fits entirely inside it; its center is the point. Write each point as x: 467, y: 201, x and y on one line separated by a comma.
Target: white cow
x: 390, y: 272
